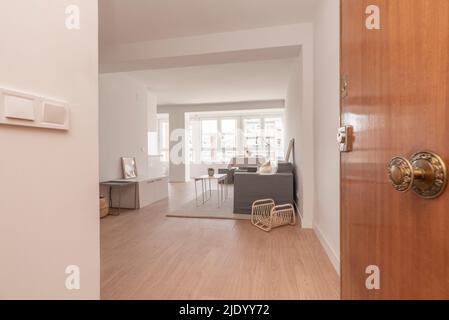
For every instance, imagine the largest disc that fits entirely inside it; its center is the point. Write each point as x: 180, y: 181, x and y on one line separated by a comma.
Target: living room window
x: 228, y: 139
x: 263, y: 136
x: 209, y: 140
x: 220, y: 137
x: 252, y: 129
x: 273, y: 138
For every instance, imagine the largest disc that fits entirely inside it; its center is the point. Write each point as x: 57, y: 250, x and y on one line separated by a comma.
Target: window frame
x: 239, y: 136
x: 219, y: 149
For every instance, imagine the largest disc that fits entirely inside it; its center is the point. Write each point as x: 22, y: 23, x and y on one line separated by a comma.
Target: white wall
x: 326, y: 119
x: 123, y: 125
x: 234, y: 46
x: 298, y: 121
x: 49, y: 179
x: 152, y: 111
x: 299, y: 110
x: 225, y: 106
x: 292, y: 118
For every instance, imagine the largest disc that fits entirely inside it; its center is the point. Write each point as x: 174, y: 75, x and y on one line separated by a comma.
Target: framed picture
x: 289, y: 149
x: 129, y: 168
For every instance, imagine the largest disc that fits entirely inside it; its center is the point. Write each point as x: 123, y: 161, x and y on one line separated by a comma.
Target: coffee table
x: 222, y: 193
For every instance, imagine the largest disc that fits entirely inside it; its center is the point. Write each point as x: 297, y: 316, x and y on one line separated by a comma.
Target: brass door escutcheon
x: 425, y: 173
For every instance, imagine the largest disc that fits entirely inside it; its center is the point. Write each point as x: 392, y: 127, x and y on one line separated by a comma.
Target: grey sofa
x: 249, y: 187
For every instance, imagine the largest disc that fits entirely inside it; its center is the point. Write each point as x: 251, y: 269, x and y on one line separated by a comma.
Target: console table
x: 120, y: 185
x: 135, y: 193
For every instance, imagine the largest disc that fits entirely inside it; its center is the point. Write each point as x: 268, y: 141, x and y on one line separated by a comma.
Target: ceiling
x: 249, y: 81
x: 126, y: 21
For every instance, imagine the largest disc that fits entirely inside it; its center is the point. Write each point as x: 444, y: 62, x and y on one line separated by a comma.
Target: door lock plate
x: 345, y: 138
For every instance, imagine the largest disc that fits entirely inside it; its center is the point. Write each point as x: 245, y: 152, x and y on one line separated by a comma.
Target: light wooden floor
x: 145, y: 255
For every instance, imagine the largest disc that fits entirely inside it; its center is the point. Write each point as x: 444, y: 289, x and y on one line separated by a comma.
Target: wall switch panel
x: 17, y: 107
x: 55, y: 114
x: 23, y: 109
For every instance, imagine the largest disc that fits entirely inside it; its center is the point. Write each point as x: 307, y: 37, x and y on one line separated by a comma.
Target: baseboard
x: 301, y: 217
x: 300, y: 214
x: 333, y: 257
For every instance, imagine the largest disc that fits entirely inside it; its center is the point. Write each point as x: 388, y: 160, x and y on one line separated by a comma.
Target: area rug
x: 208, y: 210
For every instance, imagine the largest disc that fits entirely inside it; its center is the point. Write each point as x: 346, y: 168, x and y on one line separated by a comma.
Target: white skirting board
x: 333, y: 257
x: 300, y: 215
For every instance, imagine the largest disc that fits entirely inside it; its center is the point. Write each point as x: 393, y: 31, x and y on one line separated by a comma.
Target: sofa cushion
x: 285, y: 167
x: 266, y: 167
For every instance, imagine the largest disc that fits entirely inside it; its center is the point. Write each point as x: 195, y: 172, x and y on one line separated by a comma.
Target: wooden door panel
x: 398, y: 103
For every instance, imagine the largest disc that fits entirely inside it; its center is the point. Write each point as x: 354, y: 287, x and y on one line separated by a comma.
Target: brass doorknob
x: 425, y: 173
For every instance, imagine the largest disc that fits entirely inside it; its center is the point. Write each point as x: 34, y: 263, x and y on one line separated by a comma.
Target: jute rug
x: 209, y: 209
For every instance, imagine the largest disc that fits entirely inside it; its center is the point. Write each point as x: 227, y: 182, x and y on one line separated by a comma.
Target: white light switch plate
x: 54, y: 113
x: 23, y: 109
x: 19, y: 107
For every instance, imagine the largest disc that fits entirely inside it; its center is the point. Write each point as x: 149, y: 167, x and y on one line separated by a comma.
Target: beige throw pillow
x: 266, y: 167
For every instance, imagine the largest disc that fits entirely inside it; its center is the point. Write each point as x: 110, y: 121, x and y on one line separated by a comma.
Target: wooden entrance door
x: 398, y: 104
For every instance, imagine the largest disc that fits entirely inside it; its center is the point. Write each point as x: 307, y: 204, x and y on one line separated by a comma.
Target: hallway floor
x: 146, y: 255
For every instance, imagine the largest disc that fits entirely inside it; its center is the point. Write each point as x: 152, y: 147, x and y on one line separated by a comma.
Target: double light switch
x: 22, y: 109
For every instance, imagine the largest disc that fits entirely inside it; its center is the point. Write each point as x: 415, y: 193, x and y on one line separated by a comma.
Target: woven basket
x: 104, y: 208
x: 266, y: 215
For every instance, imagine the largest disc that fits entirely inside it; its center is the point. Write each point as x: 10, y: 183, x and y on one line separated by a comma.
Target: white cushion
x: 266, y: 167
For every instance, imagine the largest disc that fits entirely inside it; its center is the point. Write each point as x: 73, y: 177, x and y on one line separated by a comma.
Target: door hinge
x: 344, y: 86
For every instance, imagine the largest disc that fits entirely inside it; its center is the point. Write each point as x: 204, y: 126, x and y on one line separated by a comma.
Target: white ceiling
x: 249, y: 81
x: 125, y: 21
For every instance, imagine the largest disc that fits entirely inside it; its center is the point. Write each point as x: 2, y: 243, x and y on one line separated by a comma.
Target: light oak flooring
x: 146, y: 255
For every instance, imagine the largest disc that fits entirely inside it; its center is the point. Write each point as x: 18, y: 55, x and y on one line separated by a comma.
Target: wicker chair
x: 266, y: 215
